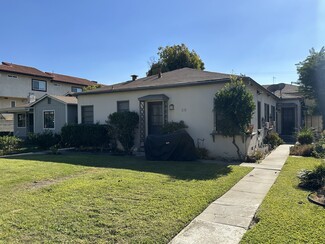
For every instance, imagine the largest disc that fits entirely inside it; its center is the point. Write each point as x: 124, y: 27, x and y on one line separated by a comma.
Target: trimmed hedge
x: 171, y: 127
x: 84, y: 135
x: 43, y: 140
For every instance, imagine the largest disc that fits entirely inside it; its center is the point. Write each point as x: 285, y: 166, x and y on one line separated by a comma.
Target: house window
x: 259, y: 119
x: 123, y: 106
x: 267, y: 112
x: 76, y: 89
x: 13, y: 104
x: 21, y: 120
x: 39, y: 85
x: 49, y: 100
x: 218, y: 121
x: 48, y: 117
x: 272, y: 113
x: 87, y: 114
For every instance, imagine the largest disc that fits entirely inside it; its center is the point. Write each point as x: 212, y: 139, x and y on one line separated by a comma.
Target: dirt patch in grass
x: 38, y: 184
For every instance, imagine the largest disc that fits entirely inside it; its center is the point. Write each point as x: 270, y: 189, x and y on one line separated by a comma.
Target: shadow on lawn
x: 194, y: 170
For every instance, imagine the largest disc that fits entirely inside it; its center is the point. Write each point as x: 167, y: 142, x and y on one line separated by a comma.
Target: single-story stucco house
x: 185, y: 94
x: 50, y: 112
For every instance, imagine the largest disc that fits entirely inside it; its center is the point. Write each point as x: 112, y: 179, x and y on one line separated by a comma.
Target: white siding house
x: 185, y: 94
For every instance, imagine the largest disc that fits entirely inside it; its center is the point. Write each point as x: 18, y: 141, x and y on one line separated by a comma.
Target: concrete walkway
x: 227, y: 219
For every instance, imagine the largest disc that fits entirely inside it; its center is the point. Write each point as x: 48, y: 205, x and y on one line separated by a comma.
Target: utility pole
x: 273, y: 79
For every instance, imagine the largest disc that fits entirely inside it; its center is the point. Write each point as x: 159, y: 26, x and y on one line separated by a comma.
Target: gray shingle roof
x: 288, y: 92
x: 180, y: 77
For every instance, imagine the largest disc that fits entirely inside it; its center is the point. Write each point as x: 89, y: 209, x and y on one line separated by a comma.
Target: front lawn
x: 99, y: 198
x: 286, y: 216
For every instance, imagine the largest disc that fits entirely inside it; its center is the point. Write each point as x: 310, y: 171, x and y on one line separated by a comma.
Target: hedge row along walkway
x: 227, y: 219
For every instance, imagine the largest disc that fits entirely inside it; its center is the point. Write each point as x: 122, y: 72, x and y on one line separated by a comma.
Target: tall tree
x: 175, y: 57
x: 234, y: 106
x: 311, y: 73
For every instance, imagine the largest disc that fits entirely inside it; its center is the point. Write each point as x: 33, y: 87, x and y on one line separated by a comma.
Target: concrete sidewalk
x: 227, y: 219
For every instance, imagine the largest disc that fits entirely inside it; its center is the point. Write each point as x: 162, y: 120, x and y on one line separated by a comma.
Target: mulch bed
x: 318, y: 197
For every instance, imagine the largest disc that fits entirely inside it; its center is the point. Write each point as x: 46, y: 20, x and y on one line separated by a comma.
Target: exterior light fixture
x: 171, y: 107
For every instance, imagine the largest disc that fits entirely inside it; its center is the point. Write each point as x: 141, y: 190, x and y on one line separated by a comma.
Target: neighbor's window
x: 76, y: 89
x: 48, y: 119
x: 123, y: 106
x: 13, y: 104
x: 38, y: 85
x: 21, y: 120
x: 87, y: 114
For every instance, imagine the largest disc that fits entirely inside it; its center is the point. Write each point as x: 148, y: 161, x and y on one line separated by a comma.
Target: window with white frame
x: 123, y: 106
x: 76, y: 89
x: 87, y: 114
x: 39, y: 85
x: 21, y: 120
x: 48, y: 118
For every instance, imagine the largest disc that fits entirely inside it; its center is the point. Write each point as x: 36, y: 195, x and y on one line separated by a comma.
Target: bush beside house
x: 85, y: 135
x: 121, y: 128
x: 9, y: 144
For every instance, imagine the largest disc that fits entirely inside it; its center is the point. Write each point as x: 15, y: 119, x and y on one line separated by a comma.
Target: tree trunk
x: 238, y: 151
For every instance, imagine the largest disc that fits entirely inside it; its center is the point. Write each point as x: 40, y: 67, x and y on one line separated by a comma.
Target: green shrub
x: 202, y: 153
x: 305, y: 136
x: 319, y: 150
x: 302, y: 150
x: 171, y: 127
x: 85, y: 135
x: 121, y: 127
x: 9, y: 144
x: 273, y: 139
x: 313, y: 179
x: 43, y: 140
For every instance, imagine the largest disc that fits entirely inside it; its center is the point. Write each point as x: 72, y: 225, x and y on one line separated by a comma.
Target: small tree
x: 121, y: 126
x: 235, y: 106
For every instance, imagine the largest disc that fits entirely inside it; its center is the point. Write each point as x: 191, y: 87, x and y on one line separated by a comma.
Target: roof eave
x: 23, y: 73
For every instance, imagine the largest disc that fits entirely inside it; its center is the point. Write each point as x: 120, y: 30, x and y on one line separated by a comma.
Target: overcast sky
x: 108, y: 40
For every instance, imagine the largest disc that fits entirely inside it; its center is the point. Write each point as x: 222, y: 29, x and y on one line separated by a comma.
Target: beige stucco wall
x: 193, y: 105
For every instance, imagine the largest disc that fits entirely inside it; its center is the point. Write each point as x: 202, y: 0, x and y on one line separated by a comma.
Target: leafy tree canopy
x: 175, y: 57
x: 89, y: 88
x: 311, y: 73
x: 234, y: 104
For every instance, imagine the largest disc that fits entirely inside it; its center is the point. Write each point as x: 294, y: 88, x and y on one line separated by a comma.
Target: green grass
x: 286, y: 216
x: 98, y: 198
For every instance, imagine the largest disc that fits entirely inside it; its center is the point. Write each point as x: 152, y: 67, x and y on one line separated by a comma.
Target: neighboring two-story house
x: 21, y: 85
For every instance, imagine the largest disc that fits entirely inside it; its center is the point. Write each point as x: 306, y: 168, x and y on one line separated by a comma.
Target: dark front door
x: 288, y: 121
x: 155, y: 118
